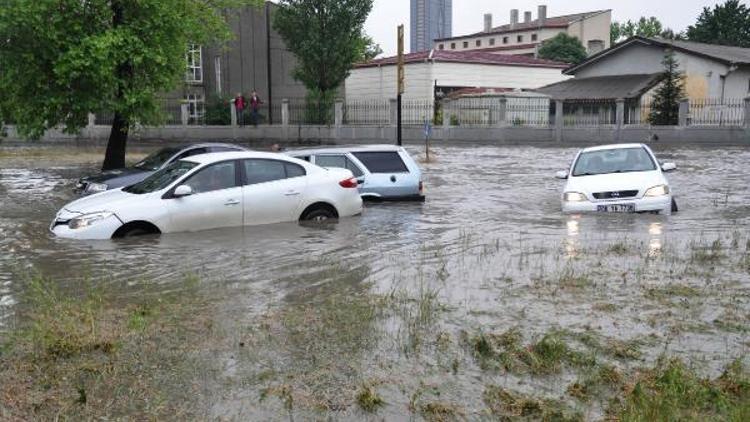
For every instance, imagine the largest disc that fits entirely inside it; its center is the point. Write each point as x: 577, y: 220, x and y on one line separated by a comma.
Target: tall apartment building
x: 430, y: 20
x: 524, y: 36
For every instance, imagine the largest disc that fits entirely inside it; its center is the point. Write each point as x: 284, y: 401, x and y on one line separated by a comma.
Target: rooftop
x: 722, y: 53
x: 470, y: 57
x: 550, y: 22
x: 602, y: 87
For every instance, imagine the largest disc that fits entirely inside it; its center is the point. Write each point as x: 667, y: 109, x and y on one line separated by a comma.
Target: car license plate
x: 621, y: 208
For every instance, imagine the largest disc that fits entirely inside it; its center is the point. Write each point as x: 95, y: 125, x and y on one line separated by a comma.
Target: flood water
x: 491, y: 228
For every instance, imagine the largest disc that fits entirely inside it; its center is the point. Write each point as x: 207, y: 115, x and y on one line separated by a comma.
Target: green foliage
x: 327, y: 38
x: 217, y: 111
x: 726, y: 24
x: 644, y: 27
x: 563, y: 48
x: 368, y: 49
x: 62, y: 59
x: 665, y: 109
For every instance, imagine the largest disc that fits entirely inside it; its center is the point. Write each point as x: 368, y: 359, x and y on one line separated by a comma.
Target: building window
x: 194, y: 64
x: 217, y: 69
x: 196, y: 108
x: 453, y: 46
x: 466, y: 44
x: 520, y: 38
x: 534, y: 37
x: 492, y: 41
x: 479, y: 43
x: 441, y: 47
x: 505, y: 40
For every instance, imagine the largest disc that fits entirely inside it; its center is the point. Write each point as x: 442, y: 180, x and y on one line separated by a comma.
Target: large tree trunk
x: 118, y: 137
x: 114, y: 158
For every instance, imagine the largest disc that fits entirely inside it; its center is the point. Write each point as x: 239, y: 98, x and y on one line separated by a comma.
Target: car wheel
x: 319, y: 215
x: 135, y: 232
x: 674, y: 206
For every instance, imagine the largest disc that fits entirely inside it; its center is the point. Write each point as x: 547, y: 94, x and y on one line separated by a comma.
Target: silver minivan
x: 384, y: 172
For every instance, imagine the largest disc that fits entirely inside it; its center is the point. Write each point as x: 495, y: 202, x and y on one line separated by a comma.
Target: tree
x: 563, y: 48
x: 727, y: 24
x: 327, y: 37
x: 368, y: 49
x: 665, y: 107
x: 644, y: 27
x: 63, y: 59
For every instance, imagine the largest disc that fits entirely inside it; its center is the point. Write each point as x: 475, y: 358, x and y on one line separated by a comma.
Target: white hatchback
x: 211, y: 191
x: 623, y: 178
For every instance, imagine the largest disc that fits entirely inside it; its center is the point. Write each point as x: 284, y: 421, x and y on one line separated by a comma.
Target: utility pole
x: 400, y: 82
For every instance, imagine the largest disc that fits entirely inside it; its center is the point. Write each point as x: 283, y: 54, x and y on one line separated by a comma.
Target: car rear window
x: 382, y: 162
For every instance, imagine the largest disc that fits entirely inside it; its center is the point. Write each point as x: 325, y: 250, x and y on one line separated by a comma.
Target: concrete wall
x: 380, y: 82
x: 413, y: 134
x: 594, y: 28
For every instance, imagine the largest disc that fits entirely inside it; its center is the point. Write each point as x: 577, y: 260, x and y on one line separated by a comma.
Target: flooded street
x: 489, y: 251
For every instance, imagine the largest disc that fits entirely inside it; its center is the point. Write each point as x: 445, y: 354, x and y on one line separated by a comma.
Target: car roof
x: 207, y: 144
x: 613, y: 146
x: 345, y: 148
x: 214, y: 157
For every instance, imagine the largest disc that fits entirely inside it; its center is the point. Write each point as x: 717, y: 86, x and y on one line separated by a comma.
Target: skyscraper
x: 430, y: 20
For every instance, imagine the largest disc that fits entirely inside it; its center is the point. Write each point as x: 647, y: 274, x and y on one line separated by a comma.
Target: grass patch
x: 368, y: 398
x: 84, y: 357
x: 439, y: 411
x: 673, y: 392
x: 505, y: 404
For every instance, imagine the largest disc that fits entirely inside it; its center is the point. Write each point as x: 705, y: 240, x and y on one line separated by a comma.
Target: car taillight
x: 349, y: 183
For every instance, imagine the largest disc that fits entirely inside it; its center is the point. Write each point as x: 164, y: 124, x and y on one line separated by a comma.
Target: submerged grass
x: 507, y: 405
x: 84, y: 357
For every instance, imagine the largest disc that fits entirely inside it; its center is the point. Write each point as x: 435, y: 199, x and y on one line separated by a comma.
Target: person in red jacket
x: 239, y: 107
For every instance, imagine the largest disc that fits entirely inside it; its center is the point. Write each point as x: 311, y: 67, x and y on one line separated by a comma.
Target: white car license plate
x: 621, y: 208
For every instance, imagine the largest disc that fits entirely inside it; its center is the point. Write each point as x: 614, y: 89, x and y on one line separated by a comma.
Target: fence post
x: 184, y: 113
x: 338, y: 110
x: 559, y: 120
x: 394, y: 111
x: 446, y: 114
x: 620, y: 113
x: 92, y: 120
x: 502, y: 112
x: 747, y: 113
x: 233, y: 113
x: 683, y: 113
x: 285, y: 112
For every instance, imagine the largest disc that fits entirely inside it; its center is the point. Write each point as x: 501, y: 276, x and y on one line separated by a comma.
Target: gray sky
x: 468, y: 14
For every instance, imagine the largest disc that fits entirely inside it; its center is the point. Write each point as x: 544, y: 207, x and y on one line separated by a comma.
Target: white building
x: 446, y: 71
x: 524, y: 37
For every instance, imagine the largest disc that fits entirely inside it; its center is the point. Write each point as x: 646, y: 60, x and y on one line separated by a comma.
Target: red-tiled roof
x: 551, y: 22
x: 469, y: 57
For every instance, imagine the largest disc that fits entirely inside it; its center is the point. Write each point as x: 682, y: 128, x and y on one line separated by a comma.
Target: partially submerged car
x: 625, y: 178
x: 212, y: 191
x: 113, y: 179
x: 384, y: 172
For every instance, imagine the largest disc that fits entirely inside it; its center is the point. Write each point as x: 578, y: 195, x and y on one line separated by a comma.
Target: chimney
x: 488, y: 22
x: 513, y: 18
x: 542, y: 14
x: 527, y: 17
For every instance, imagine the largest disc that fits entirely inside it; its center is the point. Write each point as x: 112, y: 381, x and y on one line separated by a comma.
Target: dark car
x: 113, y: 179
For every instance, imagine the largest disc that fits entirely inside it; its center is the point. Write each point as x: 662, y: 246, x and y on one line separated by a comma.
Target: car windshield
x: 154, y: 161
x: 622, y: 160
x: 162, y: 178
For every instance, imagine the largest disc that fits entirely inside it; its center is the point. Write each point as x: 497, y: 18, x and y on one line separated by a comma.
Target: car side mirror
x: 183, y: 190
x: 667, y: 167
x: 361, y: 181
x: 561, y: 175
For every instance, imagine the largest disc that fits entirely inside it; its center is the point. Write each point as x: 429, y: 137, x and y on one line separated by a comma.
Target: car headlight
x: 660, y: 190
x: 88, y: 219
x: 96, y: 187
x: 574, y: 197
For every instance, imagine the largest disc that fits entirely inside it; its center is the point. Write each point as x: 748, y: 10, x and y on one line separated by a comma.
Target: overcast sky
x: 468, y: 15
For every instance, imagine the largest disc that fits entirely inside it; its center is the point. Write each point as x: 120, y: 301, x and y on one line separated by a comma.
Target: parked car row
x: 209, y: 186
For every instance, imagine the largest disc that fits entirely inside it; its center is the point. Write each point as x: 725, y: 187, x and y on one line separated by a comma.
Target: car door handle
x: 292, y: 193
x: 232, y: 202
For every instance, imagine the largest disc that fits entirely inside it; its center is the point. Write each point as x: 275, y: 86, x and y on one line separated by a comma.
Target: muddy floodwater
x: 397, y: 298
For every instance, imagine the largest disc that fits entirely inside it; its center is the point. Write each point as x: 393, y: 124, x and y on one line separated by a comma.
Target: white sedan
x: 211, y: 191
x: 622, y: 178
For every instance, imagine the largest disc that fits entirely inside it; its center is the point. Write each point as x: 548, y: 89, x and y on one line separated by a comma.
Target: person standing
x: 239, y: 107
x: 255, y: 103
